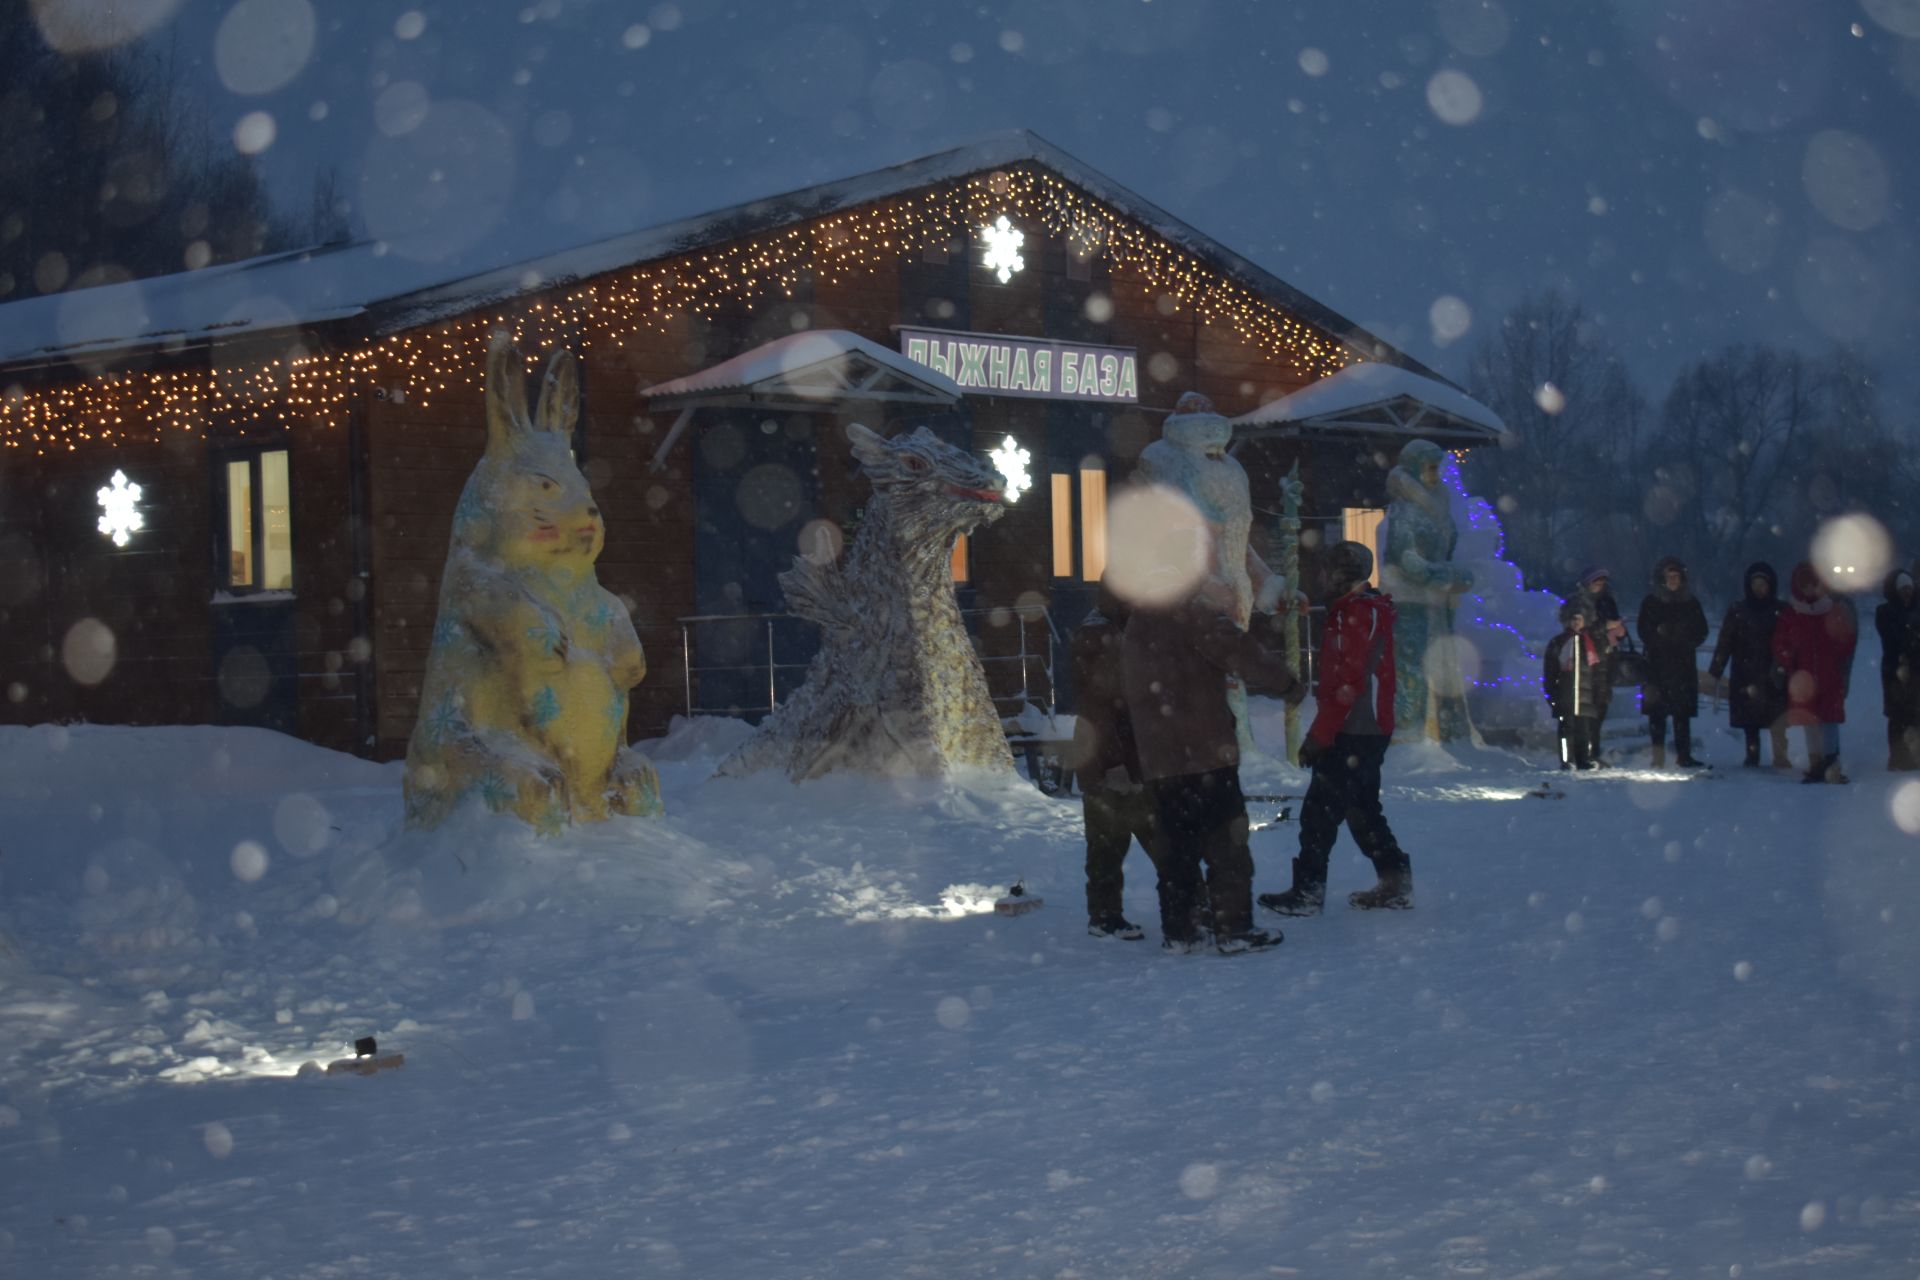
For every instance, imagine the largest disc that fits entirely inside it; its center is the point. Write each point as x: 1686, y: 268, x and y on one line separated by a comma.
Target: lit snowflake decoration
x: 1010, y: 460
x: 120, y: 509
x: 1003, y: 241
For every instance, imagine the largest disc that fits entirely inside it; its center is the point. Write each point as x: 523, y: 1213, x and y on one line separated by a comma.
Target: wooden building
x: 299, y: 429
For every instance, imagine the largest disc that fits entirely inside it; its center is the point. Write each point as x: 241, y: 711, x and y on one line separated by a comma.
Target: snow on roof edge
x: 1362, y: 386
x: 793, y: 354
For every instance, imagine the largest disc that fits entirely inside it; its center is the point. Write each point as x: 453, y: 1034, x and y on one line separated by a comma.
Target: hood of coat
x: 1760, y: 569
x: 1660, y: 588
x: 1809, y: 593
x: 1891, y: 587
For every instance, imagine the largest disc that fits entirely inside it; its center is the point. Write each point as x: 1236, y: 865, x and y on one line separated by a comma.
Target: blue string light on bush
x: 1481, y: 515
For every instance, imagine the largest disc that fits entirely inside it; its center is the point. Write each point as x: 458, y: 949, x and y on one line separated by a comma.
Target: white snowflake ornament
x: 120, y: 509
x: 1010, y: 460
x: 1003, y: 241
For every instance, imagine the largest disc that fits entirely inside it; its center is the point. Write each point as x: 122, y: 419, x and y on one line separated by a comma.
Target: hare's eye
x: 547, y: 484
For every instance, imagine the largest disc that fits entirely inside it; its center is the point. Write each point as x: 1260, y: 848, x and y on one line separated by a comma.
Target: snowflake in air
x: 1010, y: 460
x: 1003, y: 241
x: 120, y: 509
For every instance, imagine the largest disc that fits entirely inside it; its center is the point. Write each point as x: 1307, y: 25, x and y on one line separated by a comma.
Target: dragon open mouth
x: 978, y: 495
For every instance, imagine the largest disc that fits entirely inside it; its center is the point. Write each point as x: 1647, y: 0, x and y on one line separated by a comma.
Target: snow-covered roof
x: 393, y: 293
x: 809, y: 368
x: 1378, y: 398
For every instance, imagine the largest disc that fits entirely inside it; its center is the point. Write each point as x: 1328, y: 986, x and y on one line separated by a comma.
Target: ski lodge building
x: 298, y: 429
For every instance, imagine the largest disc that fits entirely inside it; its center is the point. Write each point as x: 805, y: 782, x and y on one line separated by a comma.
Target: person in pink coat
x: 1812, y: 647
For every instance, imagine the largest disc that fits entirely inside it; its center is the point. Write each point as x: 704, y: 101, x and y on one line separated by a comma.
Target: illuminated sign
x: 992, y: 364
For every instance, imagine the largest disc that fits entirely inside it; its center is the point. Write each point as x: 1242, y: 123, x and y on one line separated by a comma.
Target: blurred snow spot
x: 617, y: 1132
x: 1550, y: 398
x: 1650, y: 908
x: 261, y: 45
x: 636, y: 36
x: 401, y: 107
x: 1012, y: 41
x: 1536, y: 899
x: 1905, y: 806
x: 1667, y: 930
x: 1314, y: 61
x: 1454, y: 97
x: 522, y: 1005
x: 82, y: 26
x: 1575, y: 922
x: 953, y: 1013
x: 254, y: 133
x: 1846, y: 180
x: 218, y: 1139
x: 1450, y: 317
x: 1060, y: 1180
x: 1322, y: 1091
x: 1597, y: 1184
x: 302, y: 825
x: 1451, y: 659
x: 249, y: 861
x: 89, y: 650
x: 1159, y: 545
x: 161, y: 1243
x: 1852, y: 553
x: 1902, y: 17
x: 1758, y: 1167
x: 664, y: 17
x: 1099, y: 308
x: 410, y: 25
x: 1814, y: 1216
x: 961, y: 51
x: 1477, y: 28
x: 1742, y: 971
x: 1199, y: 1181
x: 440, y: 188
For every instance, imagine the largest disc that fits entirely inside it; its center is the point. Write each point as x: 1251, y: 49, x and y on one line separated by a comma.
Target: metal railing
x: 1037, y: 646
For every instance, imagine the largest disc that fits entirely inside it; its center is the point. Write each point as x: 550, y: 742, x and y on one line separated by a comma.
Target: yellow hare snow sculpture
x: 525, y: 700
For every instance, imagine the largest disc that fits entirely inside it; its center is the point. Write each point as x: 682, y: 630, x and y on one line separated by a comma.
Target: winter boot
x: 1683, y: 745
x: 1830, y: 771
x: 1659, y: 755
x: 1816, y: 771
x: 1393, y: 893
x: 1305, y: 898
x: 1752, y: 758
x: 1182, y: 946
x: 1236, y: 944
x: 1115, y: 927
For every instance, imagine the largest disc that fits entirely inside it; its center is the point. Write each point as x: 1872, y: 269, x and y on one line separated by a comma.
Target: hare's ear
x: 868, y: 446
x: 506, y: 393
x: 559, y: 406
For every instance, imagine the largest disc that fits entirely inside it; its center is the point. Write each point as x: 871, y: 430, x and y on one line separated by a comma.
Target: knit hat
x: 1593, y: 575
x: 1348, y: 563
x: 1568, y: 612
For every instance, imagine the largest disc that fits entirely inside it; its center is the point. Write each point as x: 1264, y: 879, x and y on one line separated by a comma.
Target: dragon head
x: 938, y: 487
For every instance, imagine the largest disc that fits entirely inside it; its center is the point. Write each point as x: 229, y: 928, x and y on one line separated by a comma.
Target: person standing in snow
x: 1603, y: 625
x: 1572, y: 681
x: 1756, y: 688
x: 1673, y: 626
x: 1175, y: 658
x: 1345, y: 745
x: 1812, y: 643
x: 1114, y: 803
x: 1898, y: 623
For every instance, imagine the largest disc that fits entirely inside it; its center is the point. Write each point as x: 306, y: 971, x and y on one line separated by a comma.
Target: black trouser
x: 1582, y: 737
x: 1777, y: 732
x: 1903, y: 742
x: 1682, y: 733
x: 1346, y: 788
x: 1114, y: 819
x: 1203, y: 818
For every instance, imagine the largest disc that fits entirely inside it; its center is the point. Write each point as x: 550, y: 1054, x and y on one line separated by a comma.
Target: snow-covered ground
x: 1662, y: 1026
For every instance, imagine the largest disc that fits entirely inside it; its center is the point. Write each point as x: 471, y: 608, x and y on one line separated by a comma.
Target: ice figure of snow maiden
x: 896, y: 687
x: 1191, y: 457
x: 525, y: 699
x: 1417, y: 571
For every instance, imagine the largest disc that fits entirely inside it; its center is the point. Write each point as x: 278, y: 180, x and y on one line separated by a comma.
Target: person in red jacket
x: 1345, y: 745
x: 1813, y: 644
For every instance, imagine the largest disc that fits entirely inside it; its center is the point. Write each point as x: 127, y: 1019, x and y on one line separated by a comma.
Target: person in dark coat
x: 1572, y: 679
x: 1813, y: 643
x: 1756, y: 688
x: 1345, y: 745
x: 1176, y: 659
x: 1898, y: 623
x: 1673, y: 626
x: 1595, y: 599
x: 1113, y: 796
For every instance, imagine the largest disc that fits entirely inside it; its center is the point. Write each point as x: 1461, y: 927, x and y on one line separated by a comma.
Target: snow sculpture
x: 1191, y: 457
x: 1502, y: 625
x: 1417, y: 571
x: 896, y: 687
x: 525, y: 699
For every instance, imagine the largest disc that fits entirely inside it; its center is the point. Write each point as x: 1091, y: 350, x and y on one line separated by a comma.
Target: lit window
x: 1062, y: 525
x: 257, y: 546
x: 1093, y: 519
x: 1362, y: 525
x: 960, y: 572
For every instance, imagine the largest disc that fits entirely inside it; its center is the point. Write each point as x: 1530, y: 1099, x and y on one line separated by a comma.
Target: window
x: 1362, y: 525
x: 1093, y: 518
x: 256, y: 536
x: 1062, y: 493
x: 961, y: 573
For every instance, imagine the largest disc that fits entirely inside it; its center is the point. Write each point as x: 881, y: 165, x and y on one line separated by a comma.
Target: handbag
x: 1626, y: 665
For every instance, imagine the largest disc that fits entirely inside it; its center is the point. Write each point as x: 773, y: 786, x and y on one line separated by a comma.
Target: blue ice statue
x: 1417, y: 571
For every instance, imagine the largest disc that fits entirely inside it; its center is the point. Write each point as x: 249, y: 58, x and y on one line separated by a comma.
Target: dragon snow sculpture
x: 896, y: 687
x: 525, y: 699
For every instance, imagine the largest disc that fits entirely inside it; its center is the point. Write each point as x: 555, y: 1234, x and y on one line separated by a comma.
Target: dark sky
x: 1695, y: 172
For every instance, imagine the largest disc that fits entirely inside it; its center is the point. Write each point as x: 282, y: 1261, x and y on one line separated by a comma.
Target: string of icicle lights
x: 612, y: 309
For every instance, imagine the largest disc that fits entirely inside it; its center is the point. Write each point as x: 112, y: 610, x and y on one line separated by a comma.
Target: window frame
x: 251, y: 454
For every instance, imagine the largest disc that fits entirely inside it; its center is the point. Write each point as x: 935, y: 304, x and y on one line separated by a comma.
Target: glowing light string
x: 1480, y: 515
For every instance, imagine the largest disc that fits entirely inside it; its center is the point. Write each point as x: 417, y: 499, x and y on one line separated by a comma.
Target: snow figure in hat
x: 524, y: 706
x: 1417, y: 570
x: 1191, y: 458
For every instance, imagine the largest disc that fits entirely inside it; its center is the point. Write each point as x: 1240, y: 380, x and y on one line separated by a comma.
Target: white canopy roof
x: 1381, y: 399
x: 807, y: 371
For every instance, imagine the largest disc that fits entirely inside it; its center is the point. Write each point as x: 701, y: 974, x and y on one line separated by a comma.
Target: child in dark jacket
x: 1574, y: 683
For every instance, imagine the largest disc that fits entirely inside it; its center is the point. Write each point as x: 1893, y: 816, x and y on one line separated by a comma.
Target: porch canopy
x: 1375, y: 399
x: 803, y: 371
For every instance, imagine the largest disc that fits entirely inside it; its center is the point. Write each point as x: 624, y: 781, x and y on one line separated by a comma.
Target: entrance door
x: 255, y: 671
x: 755, y: 487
